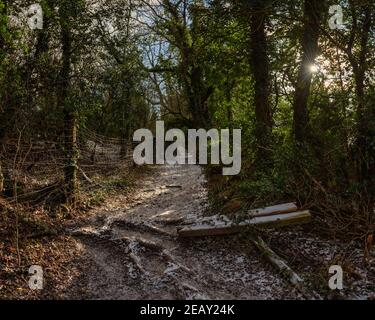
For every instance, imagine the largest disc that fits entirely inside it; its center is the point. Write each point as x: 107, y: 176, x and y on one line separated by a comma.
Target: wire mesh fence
x: 33, y: 169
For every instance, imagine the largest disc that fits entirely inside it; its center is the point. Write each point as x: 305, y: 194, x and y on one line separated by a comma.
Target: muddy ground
x: 132, y: 251
x: 129, y: 249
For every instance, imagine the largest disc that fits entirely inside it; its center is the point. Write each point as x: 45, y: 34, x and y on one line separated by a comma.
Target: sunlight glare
x: 314, y: 68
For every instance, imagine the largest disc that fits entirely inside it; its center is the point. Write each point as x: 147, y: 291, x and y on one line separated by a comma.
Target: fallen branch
x: 88, y: 179
x: 143, y: 242
x: 134, y: 257
x: 147, y: 227
x: 167, y: 255
x: 42, y: 194
x: 284, y: 269
x: 227, y: 228
x: 85, y: 175
x: 319, y: 185
x: 171, y: 221
x: 152, y: 228
x: 277, y: 262
x: 130, y: 244
x: 156, y: 247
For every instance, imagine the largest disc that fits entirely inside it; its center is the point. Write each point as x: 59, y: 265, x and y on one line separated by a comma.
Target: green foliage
x: 125, y: 75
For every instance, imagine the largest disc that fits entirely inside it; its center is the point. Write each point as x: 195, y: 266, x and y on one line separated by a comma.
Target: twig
x: 315, y: 181
x: 284, y: 269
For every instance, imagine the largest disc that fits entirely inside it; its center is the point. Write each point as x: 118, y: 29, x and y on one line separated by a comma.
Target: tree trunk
x: 310, y: 50
x: 260, y: 66
x: 6, y: 112
x: 70, y: 142
x: 70, y: 116
x: 228, y: 95
x: 126, y: 120
x: 1, y: 180
x: 365, y: 110
x: 197, y: 92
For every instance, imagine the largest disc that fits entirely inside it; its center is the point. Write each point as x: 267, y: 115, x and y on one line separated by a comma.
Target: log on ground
x: 277, y: 209
x: 227, y: 228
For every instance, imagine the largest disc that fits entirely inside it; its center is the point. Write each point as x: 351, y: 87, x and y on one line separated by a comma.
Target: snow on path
x: 132, y: 252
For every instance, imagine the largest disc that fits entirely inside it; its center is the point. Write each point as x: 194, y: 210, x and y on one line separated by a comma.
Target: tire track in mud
x: 132, y: 252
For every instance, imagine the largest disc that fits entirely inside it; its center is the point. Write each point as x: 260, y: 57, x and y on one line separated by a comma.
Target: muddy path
x: 132, y: 252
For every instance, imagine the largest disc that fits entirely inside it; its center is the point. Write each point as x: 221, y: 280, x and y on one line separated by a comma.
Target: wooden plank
x: 260, y: 212
x: 228, y: 228
x: 278, y: 209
